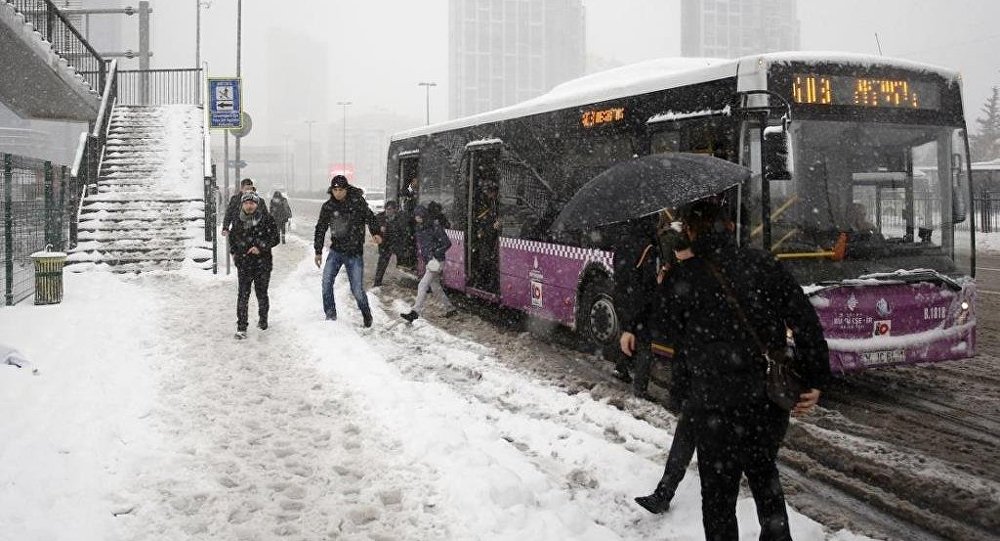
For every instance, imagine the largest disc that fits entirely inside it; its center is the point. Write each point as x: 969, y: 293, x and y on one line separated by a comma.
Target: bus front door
x: 482, y: 247
x: 408, y: 191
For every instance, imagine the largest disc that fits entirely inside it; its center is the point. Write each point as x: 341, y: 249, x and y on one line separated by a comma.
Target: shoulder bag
x: 784, y: 385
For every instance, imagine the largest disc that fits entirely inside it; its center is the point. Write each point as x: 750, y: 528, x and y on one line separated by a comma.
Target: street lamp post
x: 428, y: 86
x: 197, y: 32
x: 309, y: 172
x: 343, y: 154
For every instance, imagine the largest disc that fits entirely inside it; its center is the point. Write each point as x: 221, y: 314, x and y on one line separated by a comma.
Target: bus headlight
x: 963, y: 313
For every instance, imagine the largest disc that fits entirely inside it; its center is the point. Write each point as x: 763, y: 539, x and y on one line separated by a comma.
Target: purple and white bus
x: 861, y: 187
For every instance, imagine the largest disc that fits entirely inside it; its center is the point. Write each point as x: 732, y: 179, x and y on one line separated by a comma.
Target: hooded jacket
x: 346, y: 221
x: 432, y: 241
x: 720, y: 364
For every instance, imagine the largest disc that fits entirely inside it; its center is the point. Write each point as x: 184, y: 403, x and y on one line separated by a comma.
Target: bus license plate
x: 885, y: 356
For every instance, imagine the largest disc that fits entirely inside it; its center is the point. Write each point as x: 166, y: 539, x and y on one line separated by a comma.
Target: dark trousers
x: 735, y: 441
x: 638, y: 365
x: 383, y: 263
x: 681, y: 451
x: 281, y: 228
x: 257, y: 277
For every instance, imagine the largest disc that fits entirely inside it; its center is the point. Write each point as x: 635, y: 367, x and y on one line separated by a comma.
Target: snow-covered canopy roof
x: 658, y: 74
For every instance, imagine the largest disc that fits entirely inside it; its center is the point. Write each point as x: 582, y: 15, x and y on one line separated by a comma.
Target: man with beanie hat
x: 233, y: 209
x: 345, y: 214
x: 253, y: 235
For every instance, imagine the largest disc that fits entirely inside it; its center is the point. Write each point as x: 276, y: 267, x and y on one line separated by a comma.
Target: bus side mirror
x: 775, y: 150
x: 959, y: 190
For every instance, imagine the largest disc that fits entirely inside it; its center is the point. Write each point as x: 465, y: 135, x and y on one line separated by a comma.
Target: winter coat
x: 346, y: 221
x: 432, y: 242
x: 264, y: 235
x: 635, y: 266
x: 234, y: 207
x: 719, y: 364
x: 280, y: 209
x: 395, y: 233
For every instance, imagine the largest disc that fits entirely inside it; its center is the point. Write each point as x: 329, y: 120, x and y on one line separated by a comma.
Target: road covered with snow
x: 146, y: 420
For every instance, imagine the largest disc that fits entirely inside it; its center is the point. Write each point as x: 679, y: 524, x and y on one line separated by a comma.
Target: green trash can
x: 48, y: 276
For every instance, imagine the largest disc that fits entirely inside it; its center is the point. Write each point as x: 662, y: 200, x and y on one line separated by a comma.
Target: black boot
x: 657, y: 502
x: 366, y: 316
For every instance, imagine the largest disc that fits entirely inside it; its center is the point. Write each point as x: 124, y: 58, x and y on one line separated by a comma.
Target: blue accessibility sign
x: 225, y: 103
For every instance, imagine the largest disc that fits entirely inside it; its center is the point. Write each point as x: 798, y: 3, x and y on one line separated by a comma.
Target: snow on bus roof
x: 653, y: 75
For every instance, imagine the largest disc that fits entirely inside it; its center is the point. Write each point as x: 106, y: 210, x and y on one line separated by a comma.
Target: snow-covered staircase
x: 149, y: 209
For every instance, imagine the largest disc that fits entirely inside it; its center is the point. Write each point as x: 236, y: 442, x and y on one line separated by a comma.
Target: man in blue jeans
x: 345, y: 214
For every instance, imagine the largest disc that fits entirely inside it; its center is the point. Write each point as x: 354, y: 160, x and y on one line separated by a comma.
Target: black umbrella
x: 646, y: 185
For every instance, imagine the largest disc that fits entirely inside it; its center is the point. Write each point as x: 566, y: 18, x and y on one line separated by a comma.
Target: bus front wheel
x: 597, y: 318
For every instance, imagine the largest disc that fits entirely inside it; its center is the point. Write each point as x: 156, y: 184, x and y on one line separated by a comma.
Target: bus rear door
x: 482, y: 247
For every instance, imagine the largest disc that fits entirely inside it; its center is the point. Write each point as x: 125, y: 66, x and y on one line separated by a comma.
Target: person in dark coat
x: 253, y: 235
x: 233, y: 208
x: 393, y: 229
x: 636, y: 264
x: 720, y: 373
x: 345, y: 214
x: 432, y: 247
x: 281, y: 211
x: 435, y: 213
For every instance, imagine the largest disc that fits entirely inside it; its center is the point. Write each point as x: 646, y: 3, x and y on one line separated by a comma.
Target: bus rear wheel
x: 597, y: 318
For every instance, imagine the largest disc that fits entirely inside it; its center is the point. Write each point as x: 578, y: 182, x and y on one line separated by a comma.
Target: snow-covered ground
x: 146, y: 420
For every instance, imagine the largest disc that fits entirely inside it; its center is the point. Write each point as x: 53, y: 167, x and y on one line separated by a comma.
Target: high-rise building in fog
x: 733, y: 28
x: 506, y: 51
x: 298, y: 90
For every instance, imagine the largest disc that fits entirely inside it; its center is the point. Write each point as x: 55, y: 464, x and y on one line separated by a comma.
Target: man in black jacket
x: 721, y: 373
x: 233, y: 208
x: 253, y: 235
x: 345, y: 214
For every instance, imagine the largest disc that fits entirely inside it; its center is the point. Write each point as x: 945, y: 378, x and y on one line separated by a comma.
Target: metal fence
x: 35, y: 210
x: 160, y: 87
x: 986, y: 208
x: 67, y: 42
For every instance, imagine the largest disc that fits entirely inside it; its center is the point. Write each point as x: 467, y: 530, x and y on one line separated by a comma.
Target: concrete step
x: 138, y: 204
x: 122, y: 215
x: 138, y: 235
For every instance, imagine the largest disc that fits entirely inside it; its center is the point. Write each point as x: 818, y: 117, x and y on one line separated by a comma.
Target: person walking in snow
x: 233, y: 208
x: 251, y: 238
x: 392, y: 226
x: 722, y: 372
x: 432, y: 246
x: 345, y: 215
x: 281, y: 211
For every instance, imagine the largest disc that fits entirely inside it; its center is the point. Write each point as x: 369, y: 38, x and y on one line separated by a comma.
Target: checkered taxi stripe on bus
x: 545, y: 248
x: 559, y: 250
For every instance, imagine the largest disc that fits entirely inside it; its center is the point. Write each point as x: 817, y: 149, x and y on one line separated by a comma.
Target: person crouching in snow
x: 253, y: 235
x: 432, y: 244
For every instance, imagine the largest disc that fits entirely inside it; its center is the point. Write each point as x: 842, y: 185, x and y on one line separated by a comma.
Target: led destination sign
x: 811, y: 89
x: 591, y: 118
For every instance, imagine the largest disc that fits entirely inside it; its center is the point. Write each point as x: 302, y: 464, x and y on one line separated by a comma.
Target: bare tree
x: 986, y: 142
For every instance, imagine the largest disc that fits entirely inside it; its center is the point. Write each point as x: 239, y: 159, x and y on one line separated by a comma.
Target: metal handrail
x: 178, y: 86
x: 53, y: 27
x: 90, y: 151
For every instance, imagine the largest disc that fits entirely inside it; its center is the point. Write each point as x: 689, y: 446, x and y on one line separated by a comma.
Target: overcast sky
x: 379, y: 50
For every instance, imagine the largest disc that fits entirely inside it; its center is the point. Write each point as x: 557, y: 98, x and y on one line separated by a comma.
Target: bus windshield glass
x: 881, y: 196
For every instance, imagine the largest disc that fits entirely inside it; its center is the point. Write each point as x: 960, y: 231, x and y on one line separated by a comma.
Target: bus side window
x: 665, y: 141
x: 712, y: 136
x: 525, y: 200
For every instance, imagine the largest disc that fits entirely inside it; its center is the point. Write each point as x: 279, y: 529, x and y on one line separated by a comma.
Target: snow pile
x: 148, y: 421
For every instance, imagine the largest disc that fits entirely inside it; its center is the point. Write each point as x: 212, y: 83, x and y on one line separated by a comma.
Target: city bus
x: 860, y: 184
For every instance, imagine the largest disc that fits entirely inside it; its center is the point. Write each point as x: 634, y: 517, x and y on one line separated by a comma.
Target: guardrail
x: 66, y: 40
x: 90, y: 151
x: 182, y: 86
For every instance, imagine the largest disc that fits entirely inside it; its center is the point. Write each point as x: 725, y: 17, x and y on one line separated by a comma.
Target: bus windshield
x: 896, y: 193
